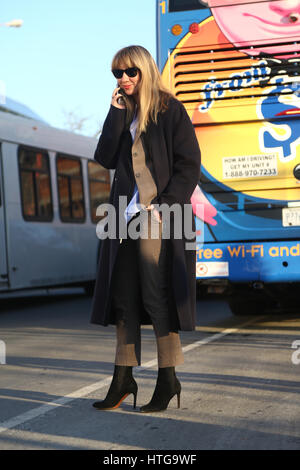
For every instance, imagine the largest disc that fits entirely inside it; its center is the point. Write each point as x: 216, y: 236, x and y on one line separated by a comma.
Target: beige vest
x: 143, y: 177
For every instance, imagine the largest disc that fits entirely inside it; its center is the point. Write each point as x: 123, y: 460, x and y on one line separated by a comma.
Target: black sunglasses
x: 130, y: 72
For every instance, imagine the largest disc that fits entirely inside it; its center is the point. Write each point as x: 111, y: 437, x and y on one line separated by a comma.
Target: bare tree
x: 74, y: 122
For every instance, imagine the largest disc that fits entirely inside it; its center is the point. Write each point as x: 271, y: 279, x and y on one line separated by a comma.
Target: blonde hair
x: 153, y: 96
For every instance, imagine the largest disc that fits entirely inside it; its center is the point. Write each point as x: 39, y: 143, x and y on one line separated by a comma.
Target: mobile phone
x: 122, y: 99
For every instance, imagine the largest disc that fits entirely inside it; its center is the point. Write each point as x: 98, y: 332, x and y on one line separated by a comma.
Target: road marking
x: 82, y: 392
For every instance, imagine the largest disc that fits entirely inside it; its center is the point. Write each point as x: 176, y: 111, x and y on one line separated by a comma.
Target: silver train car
x: 50, y: 187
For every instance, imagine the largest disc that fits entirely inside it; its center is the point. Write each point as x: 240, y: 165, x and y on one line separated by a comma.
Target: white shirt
x: 134, y: 206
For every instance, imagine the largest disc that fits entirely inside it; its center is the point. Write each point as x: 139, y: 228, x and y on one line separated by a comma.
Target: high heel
x: 178, y: 400
x: 167, y: 386
x: 134, y: 398
x: 122, y: 385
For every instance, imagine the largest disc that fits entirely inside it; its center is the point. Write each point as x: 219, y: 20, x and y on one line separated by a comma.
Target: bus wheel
x: 242, y: 306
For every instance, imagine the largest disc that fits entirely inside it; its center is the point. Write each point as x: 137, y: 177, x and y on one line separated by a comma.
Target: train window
x: 99, y: 185
x: 70, y: 189
x: 34, y: 171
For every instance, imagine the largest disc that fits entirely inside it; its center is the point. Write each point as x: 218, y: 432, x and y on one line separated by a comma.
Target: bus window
x: 70, y: 189
x: 35, y: 184
x: 0, y: 177
x: 183, y: 5
x: 99, y: 185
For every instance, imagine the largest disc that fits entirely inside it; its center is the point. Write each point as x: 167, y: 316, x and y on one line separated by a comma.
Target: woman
x: 150, y: 141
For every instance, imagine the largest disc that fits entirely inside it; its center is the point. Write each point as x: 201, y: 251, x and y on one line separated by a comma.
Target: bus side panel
x: 44, y: 253
x: 244, y: 100
x: 3, y: 252
x: 276, y: 262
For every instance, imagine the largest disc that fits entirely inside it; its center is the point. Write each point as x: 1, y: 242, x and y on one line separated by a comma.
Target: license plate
x: 291, y: 216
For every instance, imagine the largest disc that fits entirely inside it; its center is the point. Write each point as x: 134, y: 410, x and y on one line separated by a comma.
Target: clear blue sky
x: 60, y: 58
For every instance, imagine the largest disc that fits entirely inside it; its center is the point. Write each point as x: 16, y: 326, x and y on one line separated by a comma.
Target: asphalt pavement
x: 240, y: 381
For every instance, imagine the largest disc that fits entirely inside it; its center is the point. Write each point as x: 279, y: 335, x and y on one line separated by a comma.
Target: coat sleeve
x: 186, y: 160
x: 107, y: 148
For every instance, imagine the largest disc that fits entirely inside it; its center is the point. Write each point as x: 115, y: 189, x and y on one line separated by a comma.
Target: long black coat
x: 172, y: 147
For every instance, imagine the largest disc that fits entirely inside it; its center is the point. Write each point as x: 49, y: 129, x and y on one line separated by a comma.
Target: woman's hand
x: 155, y: 212
x: 114, y: 99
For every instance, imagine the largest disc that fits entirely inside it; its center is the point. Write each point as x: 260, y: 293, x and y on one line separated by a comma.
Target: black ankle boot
x: 122, y: 385
x: 167, y: 385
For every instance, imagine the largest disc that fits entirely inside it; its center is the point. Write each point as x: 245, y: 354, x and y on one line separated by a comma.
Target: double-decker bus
x: 235, y: 65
